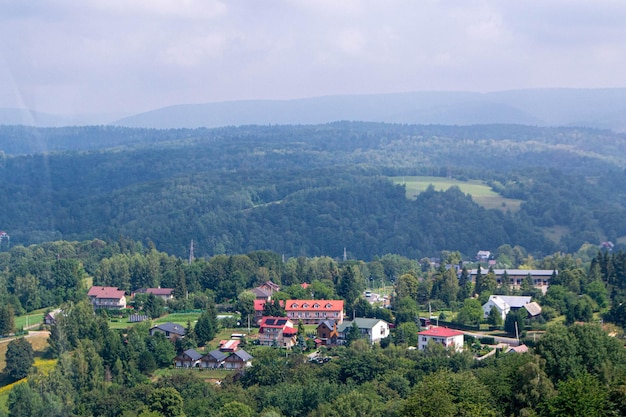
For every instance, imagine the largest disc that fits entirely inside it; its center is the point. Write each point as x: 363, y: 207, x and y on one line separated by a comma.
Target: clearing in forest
x: 481, y: 193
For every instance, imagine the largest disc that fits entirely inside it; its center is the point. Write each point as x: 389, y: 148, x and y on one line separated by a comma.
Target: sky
x: 123, y: 57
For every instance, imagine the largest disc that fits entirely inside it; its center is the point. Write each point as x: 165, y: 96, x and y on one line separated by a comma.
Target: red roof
x: 105, y: 292
x: 440, y: 332
x: 259, y: 304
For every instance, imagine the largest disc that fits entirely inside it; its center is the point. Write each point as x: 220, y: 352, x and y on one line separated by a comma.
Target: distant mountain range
x: 596, y: 108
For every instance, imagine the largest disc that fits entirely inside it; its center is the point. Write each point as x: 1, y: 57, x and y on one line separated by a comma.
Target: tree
x: 471, y: 313
x: 580, y: 396
x: 19, y: 358
x: 495, y: 318
x: 206, y: 326
x: 235, y: 409
x: 515, y: 321
x: 166, y: 401
x: 25, y: 402
x: 272, y: 308
x: 353, y: 334
x: 449, y: 394
x: 7, y: 319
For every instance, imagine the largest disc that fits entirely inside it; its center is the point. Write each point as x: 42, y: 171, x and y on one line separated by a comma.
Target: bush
x: 487, y: 340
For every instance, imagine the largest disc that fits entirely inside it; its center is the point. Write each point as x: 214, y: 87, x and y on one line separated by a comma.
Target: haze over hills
x: 596, y: 108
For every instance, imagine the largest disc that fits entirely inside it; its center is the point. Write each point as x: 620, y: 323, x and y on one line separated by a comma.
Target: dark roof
x: 242, y: 355
x: 193, y: 354
x: 215, y: 355
x: 329, y: 323
x: 171, y: 327
x: 261, y: 293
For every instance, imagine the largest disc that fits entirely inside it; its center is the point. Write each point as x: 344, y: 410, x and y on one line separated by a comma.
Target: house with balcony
x: 107, y: 298
x: 277, y: 331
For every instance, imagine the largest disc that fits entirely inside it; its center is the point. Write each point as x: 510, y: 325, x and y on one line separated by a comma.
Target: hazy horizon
x: 118, y: 57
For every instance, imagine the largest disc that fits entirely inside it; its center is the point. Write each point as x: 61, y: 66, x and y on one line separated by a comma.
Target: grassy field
x: 481, y: 193
x: 29, y: 320
x: 178, y: 318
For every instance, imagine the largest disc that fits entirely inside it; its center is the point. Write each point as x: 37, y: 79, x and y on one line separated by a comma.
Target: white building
x: 504, y: 304
x: 373, y: 329
x: 441, y: 335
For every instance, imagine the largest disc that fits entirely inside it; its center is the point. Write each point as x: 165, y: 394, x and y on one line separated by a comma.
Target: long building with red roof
x: 309, y: 311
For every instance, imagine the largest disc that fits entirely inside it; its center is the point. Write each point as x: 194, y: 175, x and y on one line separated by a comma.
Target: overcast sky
x: 130, y: 56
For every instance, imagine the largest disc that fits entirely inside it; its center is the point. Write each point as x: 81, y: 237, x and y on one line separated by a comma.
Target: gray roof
x: 362, y: 323
x: 171, y: 327
x: 533, y: 309
x: 329, y: 323
x: 514, y: 301
x: 193, y: 354
x: 242, y: 355
x: 215, y: 355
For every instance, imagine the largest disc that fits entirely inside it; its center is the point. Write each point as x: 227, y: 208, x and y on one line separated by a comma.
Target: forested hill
x: 312, y: 190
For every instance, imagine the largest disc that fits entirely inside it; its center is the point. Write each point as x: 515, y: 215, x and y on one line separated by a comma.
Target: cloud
x: 115, y: 55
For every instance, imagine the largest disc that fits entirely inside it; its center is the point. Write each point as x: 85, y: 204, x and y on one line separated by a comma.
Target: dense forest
x: 312, y: 190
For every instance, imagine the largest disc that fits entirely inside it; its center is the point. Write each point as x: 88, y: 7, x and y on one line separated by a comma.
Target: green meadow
x: 481, y: 193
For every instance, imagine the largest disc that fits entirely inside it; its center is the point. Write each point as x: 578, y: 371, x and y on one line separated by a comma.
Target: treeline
x: 575, y: 371
x: 311, y: 190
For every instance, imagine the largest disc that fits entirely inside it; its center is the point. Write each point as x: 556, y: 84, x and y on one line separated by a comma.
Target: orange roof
x: 440, y: 332
x: 314, y: 305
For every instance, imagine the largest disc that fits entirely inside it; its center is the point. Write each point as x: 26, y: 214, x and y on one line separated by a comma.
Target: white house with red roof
x: 109, y: 298
x: 441, y: 335
x: 277, y: 331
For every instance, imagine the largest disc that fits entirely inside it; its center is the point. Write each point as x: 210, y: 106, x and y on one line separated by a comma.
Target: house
x: 50, y: 318
x: 270, y: 287
x: 188, y: 359
x: 483, y: 255
x: 314, y: 311
x: 515, y: 277
x: 327, y: 332
x: 262, y: 294
x: 229, y: 345
x: 213, y: 359
x: 170, y: 330
x: 372, y: 329
x: 504, y: 304
x: 533, y: 309
x: 238, y: 360
x: 166, y: 294
x: 441, y: 335
x: 277, y: 331
x: 109, y: 298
